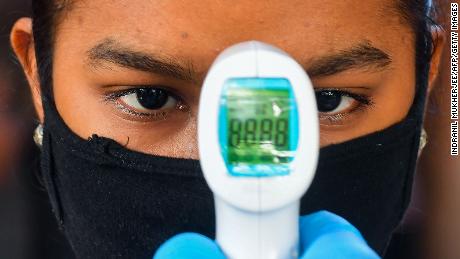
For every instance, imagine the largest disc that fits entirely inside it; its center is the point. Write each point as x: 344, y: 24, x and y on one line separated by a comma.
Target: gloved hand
x: 322, y: 235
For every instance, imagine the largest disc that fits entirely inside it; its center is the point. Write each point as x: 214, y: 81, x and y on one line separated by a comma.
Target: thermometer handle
x: 251, y: 235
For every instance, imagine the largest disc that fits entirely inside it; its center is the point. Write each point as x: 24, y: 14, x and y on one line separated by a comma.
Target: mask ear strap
x: 423, y: 49
x: 48, y: 177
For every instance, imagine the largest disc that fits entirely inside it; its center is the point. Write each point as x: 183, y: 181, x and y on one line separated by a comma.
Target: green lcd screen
x: 260, y: 121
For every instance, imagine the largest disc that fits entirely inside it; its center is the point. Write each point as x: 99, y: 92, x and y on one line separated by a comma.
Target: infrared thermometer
x: 258, y: 141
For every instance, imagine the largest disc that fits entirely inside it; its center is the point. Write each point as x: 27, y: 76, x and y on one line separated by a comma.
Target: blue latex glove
x: 322, y: 235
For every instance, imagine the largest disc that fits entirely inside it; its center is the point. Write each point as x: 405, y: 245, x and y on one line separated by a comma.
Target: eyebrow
x: 362, y: 56
x: 110, y: 51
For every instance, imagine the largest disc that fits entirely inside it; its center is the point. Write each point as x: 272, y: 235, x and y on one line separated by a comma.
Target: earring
x: 423, y: 141
x: 38, y: 135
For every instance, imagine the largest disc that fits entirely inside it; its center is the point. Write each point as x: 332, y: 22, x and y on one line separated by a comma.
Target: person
x: 116, y: 88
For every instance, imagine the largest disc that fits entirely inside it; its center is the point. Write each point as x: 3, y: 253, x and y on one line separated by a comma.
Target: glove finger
x: 323, y: 222
x: 189, y: 245
x: 340, y: 245
x: 326, y: 235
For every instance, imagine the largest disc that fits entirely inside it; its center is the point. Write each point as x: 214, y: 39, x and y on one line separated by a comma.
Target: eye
x: 147, y: 100
x: 147, y: 103
x: 333, y: 101
x: 335, y: 105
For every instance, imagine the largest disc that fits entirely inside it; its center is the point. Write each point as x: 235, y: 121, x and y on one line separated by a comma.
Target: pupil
x: 328, y: 100
x: 151, y: 98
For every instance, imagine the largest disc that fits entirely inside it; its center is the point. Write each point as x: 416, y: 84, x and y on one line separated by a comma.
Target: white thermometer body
x: 258, y: 141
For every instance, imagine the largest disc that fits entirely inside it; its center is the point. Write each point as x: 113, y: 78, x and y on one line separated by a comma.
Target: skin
x: 192, y: 34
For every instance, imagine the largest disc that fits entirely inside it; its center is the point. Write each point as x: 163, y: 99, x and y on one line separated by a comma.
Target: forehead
x: 192, y: 28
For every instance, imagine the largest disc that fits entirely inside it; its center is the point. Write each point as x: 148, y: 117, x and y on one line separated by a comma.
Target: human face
x: 110, y: 54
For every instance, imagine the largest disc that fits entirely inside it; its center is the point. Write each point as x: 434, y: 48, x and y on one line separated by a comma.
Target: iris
x: 328, y: 100
x: 152, y: 98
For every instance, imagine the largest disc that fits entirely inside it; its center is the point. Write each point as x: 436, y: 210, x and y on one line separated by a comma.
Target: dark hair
x: 43, y: 16
x: 46, y: 15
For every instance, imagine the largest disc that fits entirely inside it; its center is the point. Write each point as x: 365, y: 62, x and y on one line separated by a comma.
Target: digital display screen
x: 259, y: 121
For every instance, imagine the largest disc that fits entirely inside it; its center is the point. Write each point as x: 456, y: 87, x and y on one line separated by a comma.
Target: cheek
x: 396, y: 98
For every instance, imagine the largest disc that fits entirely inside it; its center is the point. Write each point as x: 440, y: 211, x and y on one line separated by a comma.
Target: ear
x: 22, y: 41
x: 438, y: 36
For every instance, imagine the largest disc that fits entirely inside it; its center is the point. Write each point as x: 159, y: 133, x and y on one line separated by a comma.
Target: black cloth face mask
x: 115, y: 203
